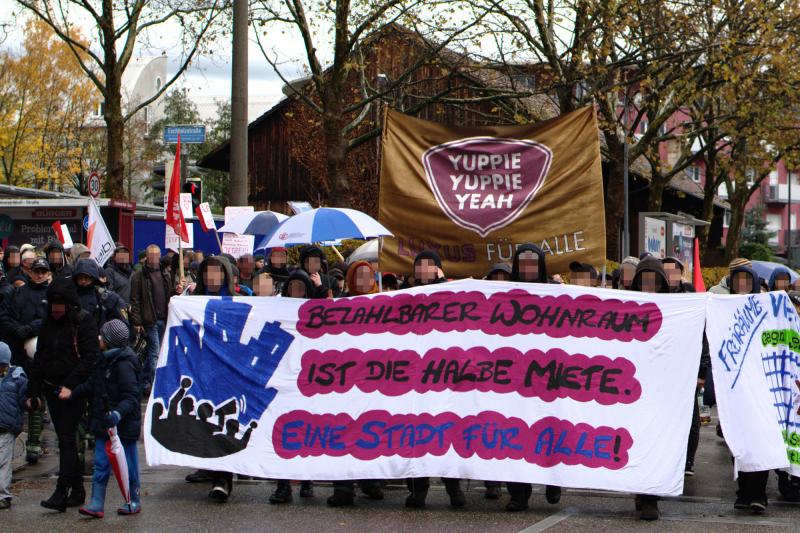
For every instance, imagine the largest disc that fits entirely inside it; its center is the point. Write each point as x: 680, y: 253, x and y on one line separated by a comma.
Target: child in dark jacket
x: 13, y: 392
x: 114, y: 392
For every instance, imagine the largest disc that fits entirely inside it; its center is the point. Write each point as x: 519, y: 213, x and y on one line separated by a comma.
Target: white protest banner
x: 171, y: 238
x: 233, y: 211
x: 101, y: 245
x: 205, y: 217
x: 186, y: 205
x: 237, y: 245
x: 754, y: 348
x: 548, y: 384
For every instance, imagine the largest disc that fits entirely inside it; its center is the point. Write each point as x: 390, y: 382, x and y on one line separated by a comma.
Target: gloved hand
x: 112, y: 419
x: 24, y: 332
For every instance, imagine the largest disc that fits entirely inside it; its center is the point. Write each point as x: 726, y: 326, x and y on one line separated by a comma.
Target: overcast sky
x: 209, y: 77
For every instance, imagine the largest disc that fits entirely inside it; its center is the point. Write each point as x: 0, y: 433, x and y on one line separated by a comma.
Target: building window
x: 644, y: 125
x: 100, y: 109
x: 158, y: 84
x: 750, y: 174
x: 147, y: 115
x: 694, y: 173
x: 726, y: 219
x: 722, y: 190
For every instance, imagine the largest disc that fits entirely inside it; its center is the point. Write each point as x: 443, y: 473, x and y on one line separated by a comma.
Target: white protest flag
x: 550, y: 384
x: 754, y: 347
x: 99, y: 240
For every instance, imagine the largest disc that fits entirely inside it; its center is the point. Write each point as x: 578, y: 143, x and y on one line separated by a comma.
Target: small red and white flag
x: 62, y: 233
x: 174, y: 216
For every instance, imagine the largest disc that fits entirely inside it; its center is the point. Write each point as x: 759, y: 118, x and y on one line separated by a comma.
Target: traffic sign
x: 94, y: 185
x: 190, y: 134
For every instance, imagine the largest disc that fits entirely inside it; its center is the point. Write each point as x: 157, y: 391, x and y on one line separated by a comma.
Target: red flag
x: 697, y: 272
x: 174, y: 213
x: 58, y: 232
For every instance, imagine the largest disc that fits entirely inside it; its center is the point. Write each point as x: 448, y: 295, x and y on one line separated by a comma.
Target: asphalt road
x: 171, y: 504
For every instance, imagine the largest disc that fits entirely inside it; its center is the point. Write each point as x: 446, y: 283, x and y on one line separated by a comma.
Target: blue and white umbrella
x: 765, y: 269
x: 255, y: 223
x: 324, y: 224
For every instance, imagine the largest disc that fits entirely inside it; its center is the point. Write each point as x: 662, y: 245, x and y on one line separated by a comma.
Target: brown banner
x: 473, y: 194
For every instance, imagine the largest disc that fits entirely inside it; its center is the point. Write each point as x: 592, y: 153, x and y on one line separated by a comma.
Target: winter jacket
x: 542, y: 263
x: 67, y: 347
x: 650, y: 264
x: 64, y: 270
x: 119, y: 280
x: 723, y: 287
x: 228, y: 288
x: 142, y: 310
x: 22, y: 314
x: 114, y: 381
x: 101, y: 303
x: 302, y: 276
x: 13, y: 393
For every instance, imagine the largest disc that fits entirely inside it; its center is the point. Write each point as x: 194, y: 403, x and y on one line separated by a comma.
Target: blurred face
x: 312, y: 264
x: 198, y: 256
x: 122, y: 257
x: 364, y: 280
x: 153, y: 257
x: 499, y: 275
x: 246, y: 265
x: 213, y: 278
x: 55, y: 258
x: 627, y: 272
x: 278, y: 259
x: 58, y: 310
x: 582, y: 279
x: 741, y: 283
x: 297, y: 289
x: 528, y: 266
x: 39, y: 276
x: 425, y: 270
x: 782, y: 282
x: 27, y: 261
x: 673, y: 274
x: 82, y: 280
x: 263, y: 285
x: 651, y: 282
x: 13, y: 259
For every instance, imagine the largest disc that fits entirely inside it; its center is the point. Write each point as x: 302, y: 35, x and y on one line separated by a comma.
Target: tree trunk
x: 336, y: 152
x: 615, y: 209
x: 656, y: 193
x: 738, y: 203
x: 115, y: 130
x: 707, y: 215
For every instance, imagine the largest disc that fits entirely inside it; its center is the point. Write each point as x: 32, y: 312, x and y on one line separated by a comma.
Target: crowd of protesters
x: 81, y: 342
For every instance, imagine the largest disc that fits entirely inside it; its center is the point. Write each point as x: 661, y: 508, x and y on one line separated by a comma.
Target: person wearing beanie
x: 79, y: 251
x: 97, y: 300
x: 499, y: 272
x: 427, y: 270
x: 337, y: 274
x: 22, y: 314
x: 627, y: 269
x: 258, y: 262
x: 724, y: 286
x: 57, y: 258
x: 673, y: 268
x: 312, y: 262
x: 13, y: 393
x: 113, y: 390
x: 23, y: 273
x: 65, y: 356
x: 582, y: 274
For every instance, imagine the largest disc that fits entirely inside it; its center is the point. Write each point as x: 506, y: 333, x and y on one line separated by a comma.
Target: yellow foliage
x: 45, y: 104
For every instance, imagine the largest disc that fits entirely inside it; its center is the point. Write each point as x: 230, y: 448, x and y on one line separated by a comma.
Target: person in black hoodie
x: 57, y: 258
x: 21, y: 316
x: 120, y: 270
x: 101, y: 303
x: 651, y: 278
x: 529, y: 266
x: 11, y: 262
x: 276, y: 264
x: 311, y: 261
x: 428, y: 271
x: 65, y: 357
x: 752, y: 492
x: 298, y: 285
